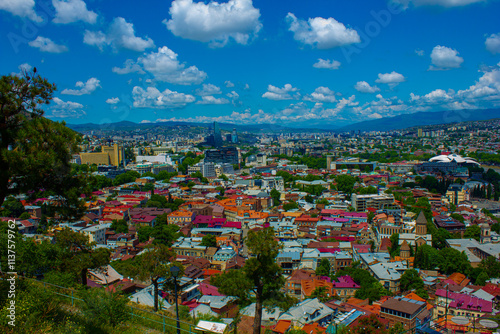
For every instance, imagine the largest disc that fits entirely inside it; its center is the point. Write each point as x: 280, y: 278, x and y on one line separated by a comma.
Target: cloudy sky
x: 299, y: 63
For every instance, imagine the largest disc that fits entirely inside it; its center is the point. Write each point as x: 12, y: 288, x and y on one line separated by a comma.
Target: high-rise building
x: 234, y: 137
x: 217, y: 135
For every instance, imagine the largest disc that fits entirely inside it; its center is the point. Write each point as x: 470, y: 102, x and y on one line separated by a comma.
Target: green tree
x: 320, y: 293
x: 275, y: 195
x: 209, y: 240
x: 290, y: 206
x: 260, y: 275
x: 472, y: 232
x: 323, y: 268
x: 394, y: 249
x: 78, y: 254
x: 411, y: 280
x: 12, y: 207
x: 491, y: 266
x: 398, y: 328
x: 143, y: 233
x: 153, y: 264
x: 345, y: 183
x: 105, y: 307
x: 482, y: 278
x: 427, y: 257
x: 35, y: 151
x: 119, y: 226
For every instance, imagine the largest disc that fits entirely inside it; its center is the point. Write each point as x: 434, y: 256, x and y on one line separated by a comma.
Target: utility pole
x: 446, y: 312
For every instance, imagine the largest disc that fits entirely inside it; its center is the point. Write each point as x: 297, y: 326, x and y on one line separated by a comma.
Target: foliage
x: 395, y: 247
x: 104, y: 307
x: 209, y: 240
x: 345, y: 183
x: 275, y: 195
x: 369, y: 286
x: 35, y: 151
x: 367, y: 190
x: 472, y: 232
x: 153, y: 264
x: 119, y: 226
x: 290, y: 206
x: 411, y: 280
x: 260, y: 275
x: 491, y: 266
x: 482, y: 278
x: 127, y: 177
x: 77, y: 254
x: 320, y: 293
x: 323, y: 268
x: 12, y: 207
x: 143, y: 233
x: 165, y: 233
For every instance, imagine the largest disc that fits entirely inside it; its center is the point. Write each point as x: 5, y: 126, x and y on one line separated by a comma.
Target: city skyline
x: 246, y: 62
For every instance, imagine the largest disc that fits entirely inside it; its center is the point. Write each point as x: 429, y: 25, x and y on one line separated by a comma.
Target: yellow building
x: 109, y: 155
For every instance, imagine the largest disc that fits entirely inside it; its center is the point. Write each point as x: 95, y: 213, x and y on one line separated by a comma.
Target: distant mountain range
x: 126, y: 125
x: 423, y: 118
x: 382, y: 124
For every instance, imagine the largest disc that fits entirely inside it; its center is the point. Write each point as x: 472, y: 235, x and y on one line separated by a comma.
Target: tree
x: 491, y: 266
x: 482, y: 278
x: 394, y: 249
x: 320, y: 293
x: 35, y: 151
x: 472, y: 232
x: 323, y: 268
x: 290, y: 206
x: 209, y: 240
x: 345, y: 183
x: 411, y: 280
x: 12, y: 207
x: 78, y: 255
x: 275, y: 195
x: 427, y: 257
x: 153, y: 264
x: 119, y: 226
x: 398, y: 328
x: 143, y: 233
x: 260, y: 275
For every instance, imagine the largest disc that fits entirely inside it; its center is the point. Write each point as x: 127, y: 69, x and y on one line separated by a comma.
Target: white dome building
x: 453, y: 157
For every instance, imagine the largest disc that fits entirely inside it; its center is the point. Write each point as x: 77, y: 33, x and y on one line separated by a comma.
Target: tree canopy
x: 35, y: 151
x: 260, y: 276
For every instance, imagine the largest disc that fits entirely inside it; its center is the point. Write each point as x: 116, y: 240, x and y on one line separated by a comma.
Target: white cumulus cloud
x: 493, y: 43
x: 443, y: 58
x: 164, y: 66
x: 214, y: 22
x: 229, y: 84
x: 321, y: 94
x: 212, y: 100
x: 113, y: 100
x: 66, y: 109
x: 364, y: 87
x: 328, y: 64
x: 120, y: 35
x: 70, y: 11
x: 21, y: 8
x: 153, y: 98
x: 208, y: 89
x: 276, y: 93
x: 47, y: 45
x: 441, y: 3
x: 392, y: 79
x: 84, y: 88
x: 321, y: 33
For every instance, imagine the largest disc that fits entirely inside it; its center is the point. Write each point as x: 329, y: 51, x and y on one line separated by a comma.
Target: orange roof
x: 292, y: 214
x: 309, y: 285
x: 282, y: 326
x: 314, y: 329
x: 459, y: 278
x: 181, y: 213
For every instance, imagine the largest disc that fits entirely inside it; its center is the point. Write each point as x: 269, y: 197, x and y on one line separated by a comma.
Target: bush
x: 103, y: 307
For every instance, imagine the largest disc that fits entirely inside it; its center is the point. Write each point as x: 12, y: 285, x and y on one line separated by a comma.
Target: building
x: 449, y: 224
x: 160, y: 159
x: 234, y: 137
x: 410, y: 313
x: 109, y: 155
x: 361, y: 202
x: 457, y: 193
x: 223, y: 155
x: 217, y: 135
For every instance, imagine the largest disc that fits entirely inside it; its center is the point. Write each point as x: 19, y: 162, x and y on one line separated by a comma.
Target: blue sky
x: 320, y: 63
